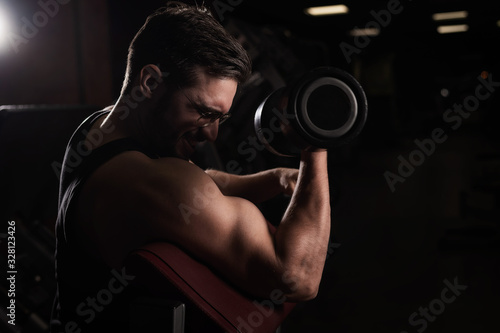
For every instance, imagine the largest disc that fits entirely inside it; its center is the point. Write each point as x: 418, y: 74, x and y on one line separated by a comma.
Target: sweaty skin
x: 132, y: 200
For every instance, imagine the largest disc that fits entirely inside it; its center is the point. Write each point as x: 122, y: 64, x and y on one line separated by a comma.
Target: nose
x: 210, y: 132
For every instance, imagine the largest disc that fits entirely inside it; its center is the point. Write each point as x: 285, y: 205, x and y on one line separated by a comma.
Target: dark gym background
x: 391, y: 250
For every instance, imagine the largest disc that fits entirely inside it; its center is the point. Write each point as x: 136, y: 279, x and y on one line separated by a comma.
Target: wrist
x: 285, y: 179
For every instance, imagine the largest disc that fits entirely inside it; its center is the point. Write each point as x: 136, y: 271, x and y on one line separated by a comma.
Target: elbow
x: 310, y: 293
x: 300, y: 287
x: 304, y: 293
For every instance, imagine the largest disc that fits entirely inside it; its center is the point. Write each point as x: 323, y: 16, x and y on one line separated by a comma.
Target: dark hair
x: 180, y: 37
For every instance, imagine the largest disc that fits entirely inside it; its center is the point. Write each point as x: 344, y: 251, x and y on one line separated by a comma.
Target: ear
x: 150, y: 79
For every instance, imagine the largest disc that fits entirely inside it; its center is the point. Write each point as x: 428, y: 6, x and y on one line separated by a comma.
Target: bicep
x: 228, y: 233
x: 232, y: 234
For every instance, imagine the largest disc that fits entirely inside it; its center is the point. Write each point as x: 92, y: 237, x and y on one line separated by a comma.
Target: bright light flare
x: 5, y: 29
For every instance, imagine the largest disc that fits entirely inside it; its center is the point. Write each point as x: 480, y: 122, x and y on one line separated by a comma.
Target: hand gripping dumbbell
x: 325, y: 108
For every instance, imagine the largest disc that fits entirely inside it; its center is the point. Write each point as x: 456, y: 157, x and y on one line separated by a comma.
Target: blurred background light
x: 450, y: 15
x: 327, y: 10
x: 364, y: 32
x: 449, y: 29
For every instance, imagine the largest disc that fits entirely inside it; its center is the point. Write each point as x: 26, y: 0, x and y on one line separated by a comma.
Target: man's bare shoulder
x: 134, y: 167
x: 132, y: 187
x: 132, y: 180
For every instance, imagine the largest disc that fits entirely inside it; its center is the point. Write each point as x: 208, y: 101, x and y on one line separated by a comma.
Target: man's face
x: 176, y: 123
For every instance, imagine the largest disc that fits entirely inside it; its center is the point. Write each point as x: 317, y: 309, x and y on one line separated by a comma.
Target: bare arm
x: 302, y: 237
x: 256, y: 187
x: 176, y: 201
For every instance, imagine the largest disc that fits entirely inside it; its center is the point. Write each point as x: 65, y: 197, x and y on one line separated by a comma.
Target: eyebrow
x: 204, y: 108
x: 207, y: 109
x: 201, y: 107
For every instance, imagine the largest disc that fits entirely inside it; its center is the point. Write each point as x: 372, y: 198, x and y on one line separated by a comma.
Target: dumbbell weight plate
x: 325, y: 108
x: 316, y: 116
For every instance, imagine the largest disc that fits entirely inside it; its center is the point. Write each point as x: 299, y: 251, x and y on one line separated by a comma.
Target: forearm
x: 256, y: 187
x: 302, y: 237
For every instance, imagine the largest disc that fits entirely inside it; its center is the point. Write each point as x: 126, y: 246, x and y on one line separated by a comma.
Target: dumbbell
x: 324, y: 108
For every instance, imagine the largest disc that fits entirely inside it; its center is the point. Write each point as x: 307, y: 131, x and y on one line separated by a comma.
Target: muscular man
x: 127, y: 179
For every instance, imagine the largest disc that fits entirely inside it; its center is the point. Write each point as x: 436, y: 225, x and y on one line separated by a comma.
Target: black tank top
x: 90, y: 295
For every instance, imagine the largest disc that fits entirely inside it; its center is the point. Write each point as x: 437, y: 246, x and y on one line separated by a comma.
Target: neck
x: 125, y: 120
